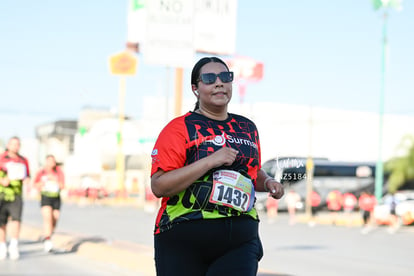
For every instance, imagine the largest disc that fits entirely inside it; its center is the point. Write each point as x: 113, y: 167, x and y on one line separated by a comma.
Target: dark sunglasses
x: 209, y: 78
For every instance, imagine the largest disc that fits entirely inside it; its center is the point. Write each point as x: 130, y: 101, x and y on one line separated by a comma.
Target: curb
x: 139, y: 260
x: 135, y: 257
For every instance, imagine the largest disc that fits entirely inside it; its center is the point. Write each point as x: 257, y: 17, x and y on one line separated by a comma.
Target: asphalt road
x: 324, y: 249
x: 337, y: 250
x: 34, y: 261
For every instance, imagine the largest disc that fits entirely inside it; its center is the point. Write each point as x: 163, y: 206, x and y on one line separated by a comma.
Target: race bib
x: 16, y: 171
x: 232, y: 189
x: 51, y: 187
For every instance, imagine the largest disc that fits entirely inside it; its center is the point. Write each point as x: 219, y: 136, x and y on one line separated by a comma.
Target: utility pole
x: 379, y: 168
x: 309, y: 170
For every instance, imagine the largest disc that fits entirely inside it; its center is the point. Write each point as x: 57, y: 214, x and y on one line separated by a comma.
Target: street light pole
x: 309, y: 170
x: 120, y: 158
x: 379, y: 168
x: 122, y: 64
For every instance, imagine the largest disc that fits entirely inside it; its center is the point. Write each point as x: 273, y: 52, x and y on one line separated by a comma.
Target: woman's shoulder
x: 239, y: 117
x: 178, y: 120
x: 40, y: 171
x: 175, y: 125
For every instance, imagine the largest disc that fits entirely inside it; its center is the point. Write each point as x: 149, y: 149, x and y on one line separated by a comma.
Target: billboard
x: 136, y: 21
x: 170, y: 32
x: 215, y: 26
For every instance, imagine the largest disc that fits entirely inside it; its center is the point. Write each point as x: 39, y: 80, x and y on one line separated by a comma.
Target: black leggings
x: 227, y: 246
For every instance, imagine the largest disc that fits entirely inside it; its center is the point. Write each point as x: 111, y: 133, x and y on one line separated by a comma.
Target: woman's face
x: 50, y: 162
x: 217, y: 94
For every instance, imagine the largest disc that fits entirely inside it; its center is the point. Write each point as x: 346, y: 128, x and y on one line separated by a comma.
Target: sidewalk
x: 134, y: 257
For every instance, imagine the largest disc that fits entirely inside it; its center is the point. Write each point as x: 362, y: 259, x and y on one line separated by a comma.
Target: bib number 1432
x: 230, y: 196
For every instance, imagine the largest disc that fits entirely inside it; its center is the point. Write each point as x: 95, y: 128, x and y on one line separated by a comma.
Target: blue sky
x: 54, y: 58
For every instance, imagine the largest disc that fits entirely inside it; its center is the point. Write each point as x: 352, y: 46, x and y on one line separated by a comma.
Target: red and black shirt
x: 191, y: 137
x: 16, y: 169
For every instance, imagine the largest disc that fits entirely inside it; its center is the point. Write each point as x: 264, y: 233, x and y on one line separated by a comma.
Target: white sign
x: 136, y: 21
x: 169, y: 33
x: 215, y: 26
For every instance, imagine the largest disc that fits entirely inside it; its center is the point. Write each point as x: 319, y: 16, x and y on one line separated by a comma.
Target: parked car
x: 404, y: 208
x: 327, y: 175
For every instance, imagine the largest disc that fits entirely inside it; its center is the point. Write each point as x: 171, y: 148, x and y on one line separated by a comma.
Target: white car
x: 404, y: 208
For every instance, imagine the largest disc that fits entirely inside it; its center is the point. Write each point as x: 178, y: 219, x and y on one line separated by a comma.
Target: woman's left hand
x: 276, y: 189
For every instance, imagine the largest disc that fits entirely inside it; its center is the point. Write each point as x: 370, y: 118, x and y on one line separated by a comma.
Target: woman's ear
x: 194, y: 88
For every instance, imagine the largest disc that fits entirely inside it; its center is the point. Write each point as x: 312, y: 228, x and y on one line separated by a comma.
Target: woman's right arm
x: 37, y: 183
x: 167, y: 184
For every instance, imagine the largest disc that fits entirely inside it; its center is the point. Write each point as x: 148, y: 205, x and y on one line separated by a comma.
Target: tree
x: 401, y: 168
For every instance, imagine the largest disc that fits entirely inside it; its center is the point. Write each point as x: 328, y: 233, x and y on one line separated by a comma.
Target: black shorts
x: 226, y: 246
x: 53, y: 202
x: 13, y: 209
x: 366, y: 215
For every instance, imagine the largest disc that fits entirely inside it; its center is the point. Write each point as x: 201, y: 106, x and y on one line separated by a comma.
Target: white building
x: 285, y: 130
x: 299, y: 130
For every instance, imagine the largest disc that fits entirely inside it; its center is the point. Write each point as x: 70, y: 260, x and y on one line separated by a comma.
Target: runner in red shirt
x: 50, y: 181
x: 334, y: 200
x: 366, y: 204
x: 206, y: 167
x: 315, y: 201
x: 14, y: 173
x: 334, y: 204
x: 349, y: 203
x: 292, y: 198
x: 271, y: 209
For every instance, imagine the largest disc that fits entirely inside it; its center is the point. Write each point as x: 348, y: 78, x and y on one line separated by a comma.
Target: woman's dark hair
x: 50, y: 155
x: 195, y: 73
x: 54, y: 159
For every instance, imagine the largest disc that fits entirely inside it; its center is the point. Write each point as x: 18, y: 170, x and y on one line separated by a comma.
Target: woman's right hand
x: 5, y: 181
x: 166, y: 184
x: 224, y: 156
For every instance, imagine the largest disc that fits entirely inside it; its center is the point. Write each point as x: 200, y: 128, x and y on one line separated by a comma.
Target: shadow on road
x: 29, y: 242
x: 68, y: 247
x: 73, y: 245
x: 272, y: 274
x: 301, y: 247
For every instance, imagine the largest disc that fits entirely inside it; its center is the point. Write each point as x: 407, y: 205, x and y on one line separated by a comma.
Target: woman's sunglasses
x: 210, y: 78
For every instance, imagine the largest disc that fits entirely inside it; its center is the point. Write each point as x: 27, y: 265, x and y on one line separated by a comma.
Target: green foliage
x: 137, y: 4
x: 395, y: 4
x: 376, y: 4
x: 401, y: 168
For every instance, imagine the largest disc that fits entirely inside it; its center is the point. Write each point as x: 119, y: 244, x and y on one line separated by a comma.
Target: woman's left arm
x: 266, y: 183
x: 60, y: 178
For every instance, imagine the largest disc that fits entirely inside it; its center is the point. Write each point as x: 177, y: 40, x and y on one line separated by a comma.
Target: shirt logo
x: 219, y: 140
